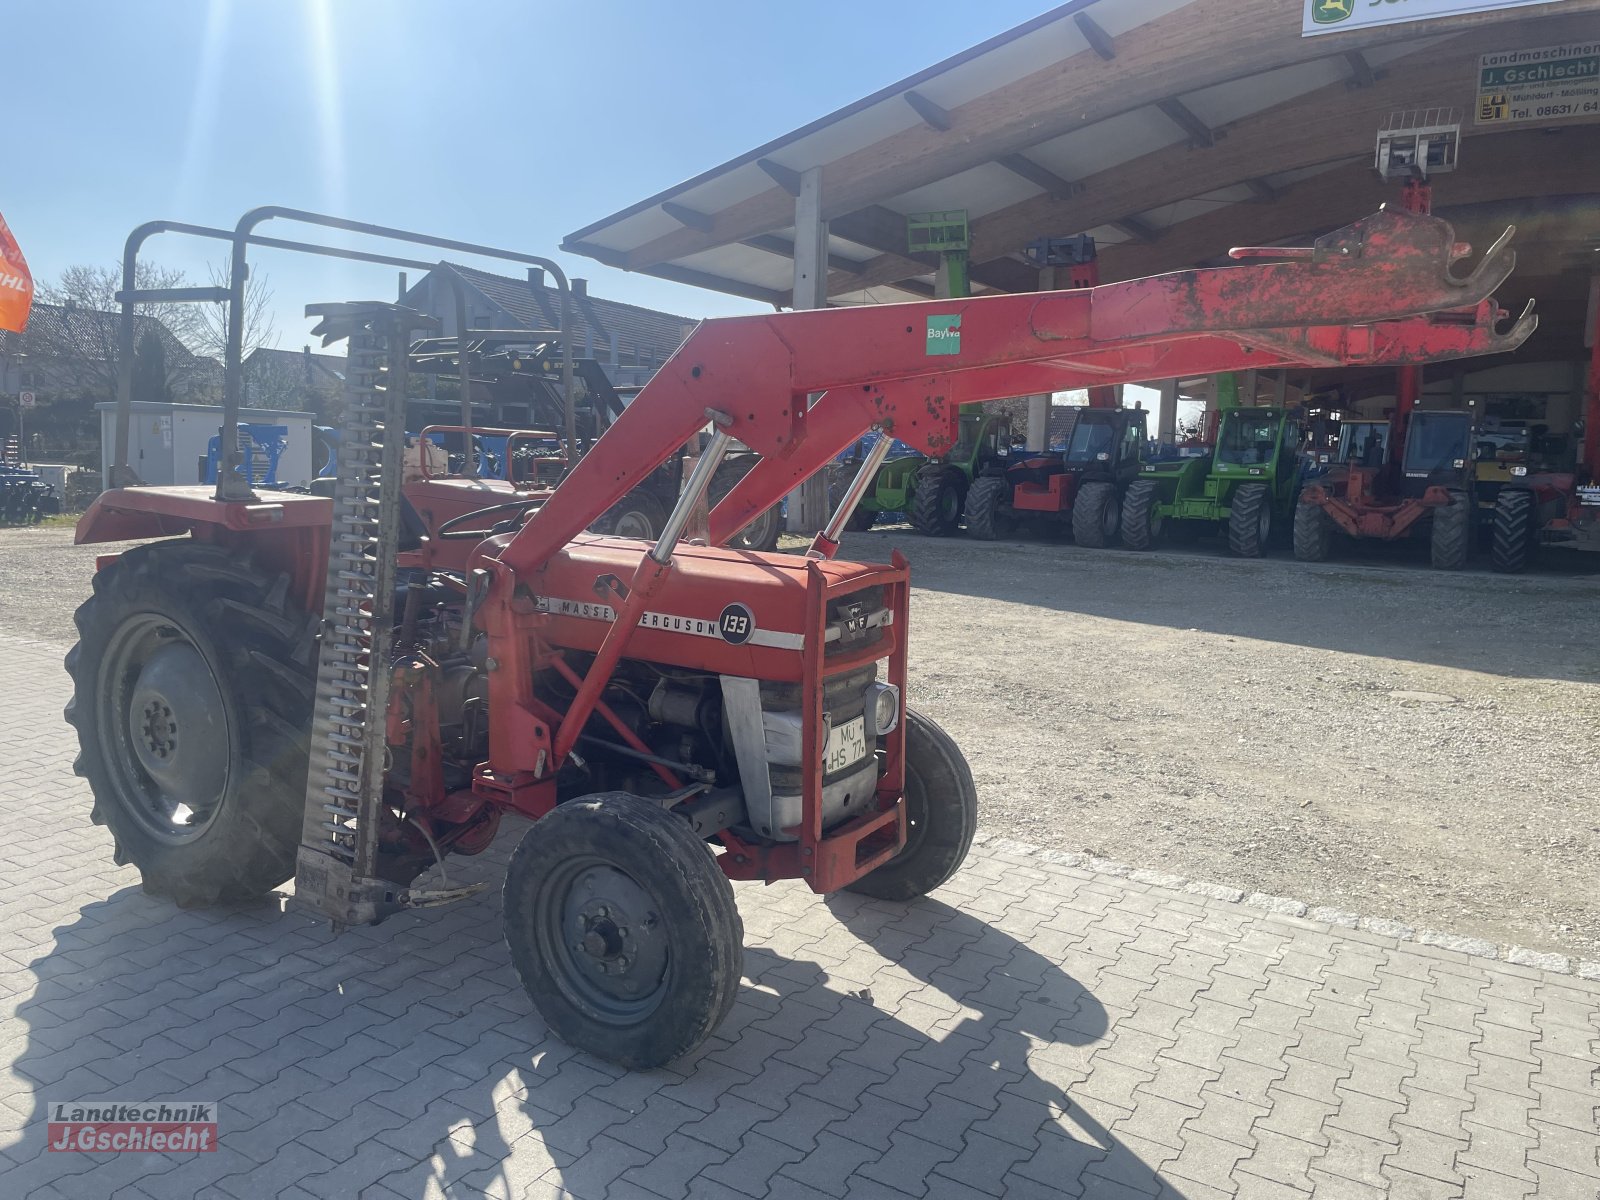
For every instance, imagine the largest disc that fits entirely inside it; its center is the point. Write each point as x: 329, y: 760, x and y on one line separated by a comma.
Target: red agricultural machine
x: 349, y: 691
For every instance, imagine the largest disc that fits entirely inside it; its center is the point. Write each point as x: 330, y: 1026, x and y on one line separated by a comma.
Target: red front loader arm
x: 1359, y: 295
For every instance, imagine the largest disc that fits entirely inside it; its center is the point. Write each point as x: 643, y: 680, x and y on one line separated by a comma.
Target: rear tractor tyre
x: 1452, y: 531
x: 861, y: 520
x: 941, y: 816
x: 940, y: 496
x: 623, y: 929
x: 1141, y: 516
x: 985, y: 520
x: 1250, y: 520
x: 636, y: 515
x: 1313, y: 533
x: 192, y: 686
x: 761, y: 533
x: 1514, y: 531
x: 1096, y: 515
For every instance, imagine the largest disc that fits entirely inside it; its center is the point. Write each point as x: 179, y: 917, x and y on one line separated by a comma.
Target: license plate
x: 846, y: 744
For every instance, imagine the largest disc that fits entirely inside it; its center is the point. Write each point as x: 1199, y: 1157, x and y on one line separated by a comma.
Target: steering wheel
x: 452, y: 529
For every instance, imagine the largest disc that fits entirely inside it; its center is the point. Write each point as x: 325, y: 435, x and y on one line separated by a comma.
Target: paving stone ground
x: 1031, y: 1030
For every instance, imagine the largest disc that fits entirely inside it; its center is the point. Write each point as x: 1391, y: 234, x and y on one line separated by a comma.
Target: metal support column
x: 808, y: 504
x: 1167, y: 413
x: 1039, y: 405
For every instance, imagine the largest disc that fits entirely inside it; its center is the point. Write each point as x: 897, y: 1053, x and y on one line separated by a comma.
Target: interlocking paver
x: 1039, y: 1029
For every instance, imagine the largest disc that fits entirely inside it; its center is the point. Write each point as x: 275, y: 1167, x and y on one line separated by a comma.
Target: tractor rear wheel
x: 1313, y: 533
x: 985, y: 521
x: 1514, y: 531
x: 1141, y: 516
x: 937, y: 503
x: 941, y: 816
x: 192, y: 685
x: 623, y: 929
x: 1452, y: 530
x: 760, y: 534
x: 636, y: 515
x: 1250, y: 520
x: 1096, y: 515
x: 862, y: 519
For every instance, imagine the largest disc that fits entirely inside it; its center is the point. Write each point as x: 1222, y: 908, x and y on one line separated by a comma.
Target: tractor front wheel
x: 1313, y: 533
x: 192, y: 684
x: 636, y: 515
x: 985, y: 520
x: 1141, y: 516
x: 1452, y: 530
x: 940, y: 496
x: 941, y: 816
x: 1514, y: 531
x: 623, y: 929
x: 1096, y: 515
x: 1250, y: 520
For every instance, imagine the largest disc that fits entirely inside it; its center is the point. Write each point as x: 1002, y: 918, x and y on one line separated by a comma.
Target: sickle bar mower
x: 671, y: 715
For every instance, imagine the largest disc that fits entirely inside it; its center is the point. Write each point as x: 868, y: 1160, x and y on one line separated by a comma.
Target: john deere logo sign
x: 1331, y: 12
x: 944, y: 334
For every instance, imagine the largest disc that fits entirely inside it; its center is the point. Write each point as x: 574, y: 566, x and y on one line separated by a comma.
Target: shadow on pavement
x: 404, y: 1060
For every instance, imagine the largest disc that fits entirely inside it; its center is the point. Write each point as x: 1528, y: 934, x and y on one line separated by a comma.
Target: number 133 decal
x: 736, y: 624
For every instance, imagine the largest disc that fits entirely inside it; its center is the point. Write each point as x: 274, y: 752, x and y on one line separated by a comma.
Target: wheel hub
x: 177, y: 728
x: 612, y: 929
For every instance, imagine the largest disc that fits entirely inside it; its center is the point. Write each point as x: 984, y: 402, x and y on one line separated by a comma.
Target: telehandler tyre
x: 1096, y: 515
x: 1141, y: 516
x: 941, y: 816
x: 937, y: 503
x: 1514, y: 532
x: 1313, y: 533
x: 985, y: 521
x: 192, y: 687
x: 623, y: 929
x: 1452, y: 531
x: 1250, y: 520
x: 760, y: 534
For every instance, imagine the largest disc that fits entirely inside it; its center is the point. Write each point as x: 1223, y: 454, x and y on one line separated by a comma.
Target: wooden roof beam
x: 784, y: 248
x: 1200, y: 134
x: 684, y: 215
x: 1135, y: 230
x: 1206, y: 43
x: 932, y: 115
x: 1261, y: 190
x: 677, y: 274
x: 1099, y: 40
x: 1040, y: 177
x: 785, y: 177
x: 1361, y: 73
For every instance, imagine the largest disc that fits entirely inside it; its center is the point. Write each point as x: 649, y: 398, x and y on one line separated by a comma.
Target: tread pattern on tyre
x: 1313, y: 532
x: 927, y: 512
x: 1511, y: 541
x: 1448, y: 541
x: 984, y: 519
x: 1089, y: 513
x: 1244, y: 520
x: 263, y: 652
x: 1138, y: 510
x: 938, y: 774
x: 663, y: 854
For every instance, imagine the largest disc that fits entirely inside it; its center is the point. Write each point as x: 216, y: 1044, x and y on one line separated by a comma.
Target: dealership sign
x: 1336, y: 16
x: 1546, y: 83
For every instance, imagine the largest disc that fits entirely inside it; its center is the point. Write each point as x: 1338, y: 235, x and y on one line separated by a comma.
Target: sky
x: 506, y: 124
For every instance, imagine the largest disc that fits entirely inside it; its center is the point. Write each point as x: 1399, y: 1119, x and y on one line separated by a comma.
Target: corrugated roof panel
x: 982, y: 189
x: 1105, y: 235
x: 1106, y: 144
x: 724, y: 191
x: 856, y: 132
x: 635, y: 230
x: 743, y: 264
x: 1183, y: 210
x: 1005, y: 64
x: 1119, y: 17
x: 1283, y: 179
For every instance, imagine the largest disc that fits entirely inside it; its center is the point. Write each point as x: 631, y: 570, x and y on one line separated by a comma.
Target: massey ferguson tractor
x: 349, y: 691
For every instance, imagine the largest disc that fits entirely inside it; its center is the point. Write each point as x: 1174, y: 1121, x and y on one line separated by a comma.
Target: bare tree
x: 208, y: 335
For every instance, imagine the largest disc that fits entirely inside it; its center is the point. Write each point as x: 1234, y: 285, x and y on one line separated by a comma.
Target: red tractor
x: 349, y: 691
x: 1080, y: 486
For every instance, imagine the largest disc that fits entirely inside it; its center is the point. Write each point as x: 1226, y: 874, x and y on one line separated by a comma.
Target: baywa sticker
x: 944, y: 334
x: 736, y: 624
x: 1331, y: 12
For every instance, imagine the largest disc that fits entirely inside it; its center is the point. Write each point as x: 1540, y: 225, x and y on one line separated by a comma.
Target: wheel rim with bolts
x: 603, y: 936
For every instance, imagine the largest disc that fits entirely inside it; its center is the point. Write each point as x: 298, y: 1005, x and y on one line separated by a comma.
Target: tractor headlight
x: 1102, y: 457
x: 1519, y: 470
x: 1460, y: 462
x: 883, y: 708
